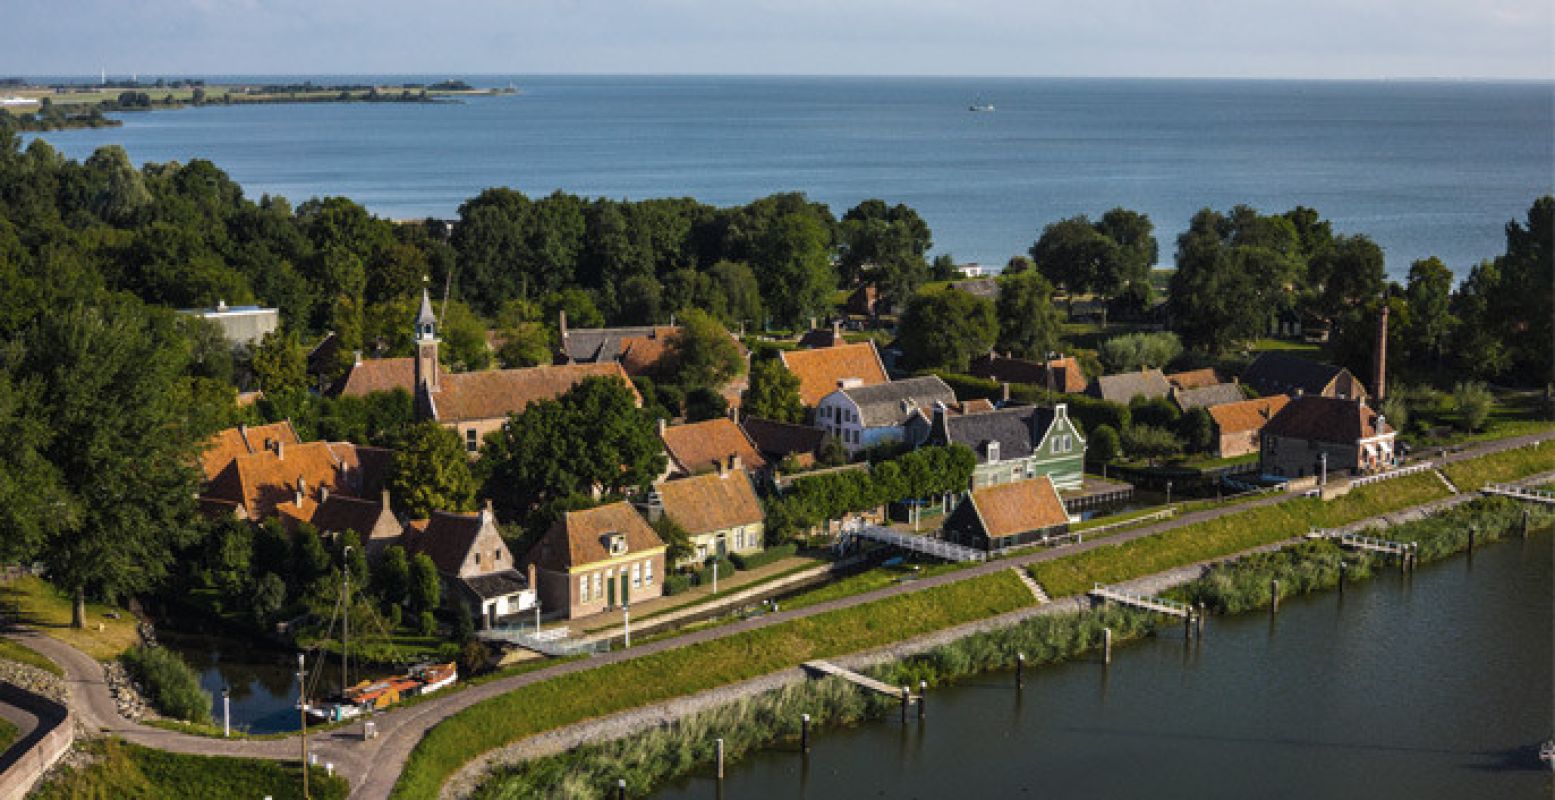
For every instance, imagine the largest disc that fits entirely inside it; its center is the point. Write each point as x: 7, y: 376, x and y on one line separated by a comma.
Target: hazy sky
x: 1246, y: 38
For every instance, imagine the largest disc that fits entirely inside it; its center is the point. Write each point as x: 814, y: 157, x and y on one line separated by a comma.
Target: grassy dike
x: 119, y: 770
x: 686, y: 670
x: 661, y: 754
x: 1510, y: 465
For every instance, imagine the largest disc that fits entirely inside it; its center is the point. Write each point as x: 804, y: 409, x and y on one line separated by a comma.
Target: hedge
x: 765, y: 557
x: 170, y: 684
x: 677, y: 583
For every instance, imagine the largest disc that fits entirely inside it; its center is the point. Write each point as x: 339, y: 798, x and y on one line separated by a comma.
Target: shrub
x: 426, y: 624
x: 171, y: 686
x: 677, y: 583
x: 765, y: 557
x: 704, y: 576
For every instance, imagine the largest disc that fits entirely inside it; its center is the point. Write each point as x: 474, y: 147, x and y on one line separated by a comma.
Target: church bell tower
x: 428, y: 375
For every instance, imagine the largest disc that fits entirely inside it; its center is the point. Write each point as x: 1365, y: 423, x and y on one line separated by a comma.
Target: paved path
x: 373, y: 766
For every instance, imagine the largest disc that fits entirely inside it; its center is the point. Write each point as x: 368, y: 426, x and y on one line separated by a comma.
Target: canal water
x: 1436, y: 685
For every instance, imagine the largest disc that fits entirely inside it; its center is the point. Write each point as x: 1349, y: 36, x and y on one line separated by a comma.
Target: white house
x: 864, y: 416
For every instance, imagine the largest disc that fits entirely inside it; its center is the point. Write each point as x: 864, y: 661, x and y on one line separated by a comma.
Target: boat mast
x: 345, y: 618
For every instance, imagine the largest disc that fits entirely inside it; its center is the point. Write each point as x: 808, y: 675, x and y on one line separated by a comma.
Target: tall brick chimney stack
x: 1380, y: 358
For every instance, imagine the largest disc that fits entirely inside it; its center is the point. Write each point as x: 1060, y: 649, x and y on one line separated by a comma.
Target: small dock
x: 1355, y: 541
x: 917, y: 543
x: 1520, y: 493
x: 827, y: 669
x: 1157, y: 605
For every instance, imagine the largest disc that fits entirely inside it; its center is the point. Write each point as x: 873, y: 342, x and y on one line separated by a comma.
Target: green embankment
x: 687, y: 670
x: 123, y: 771
x: 8, y: 733
x: 1230, y: 534
x: 22, y: 654
x: 1509, y: 465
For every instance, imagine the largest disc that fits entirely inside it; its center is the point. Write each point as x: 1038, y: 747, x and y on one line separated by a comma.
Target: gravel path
x: 373, y: 766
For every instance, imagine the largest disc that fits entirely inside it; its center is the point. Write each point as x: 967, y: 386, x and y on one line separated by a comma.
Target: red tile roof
x: 1194, y: 379
x: 711, y: 502
x: 379, y: 375
x: 497, y: 393
x: 240, y: 441
x: 579, y: 537
x: 1008, y: 509
x: 1327, y: 419
x: 704, y: 445
x: 1247, y: 415
x: 264, y: 480
x: 821, y: 371
x: 1066, y: 373
x: 446, y: 538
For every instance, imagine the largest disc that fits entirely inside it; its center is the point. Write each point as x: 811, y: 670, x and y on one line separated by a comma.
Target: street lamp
x: 1168, y: 492
x: 626, y: 625
x: 537, y: 616
x: 1322, y: 460
x: 226, y: 711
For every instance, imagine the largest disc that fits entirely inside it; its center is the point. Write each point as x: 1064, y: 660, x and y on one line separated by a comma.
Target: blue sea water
x: 1425, y: 168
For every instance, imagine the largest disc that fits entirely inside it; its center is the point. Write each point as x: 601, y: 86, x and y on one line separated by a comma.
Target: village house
x: 1125, y: 386
x: 1316, y: 435
x: 862, y: 417
x: 779, y: 441
x: 1239, y: 425
x: 1061, y: 374
x: 253, y: 486
x: 822, y: 336
x: 1194, y: 378
x: 474, y: 563
x: 824, y: 370
x: 226, y: 445
x: 1282, y: 373
x: 719, y: 512
x: 1214, y: 394
x: 999, y: 517
x: 1016, y: 443
x: 707, y: 446
x: 597, y: 560
x: 472, y: 404
x: 374, y: 521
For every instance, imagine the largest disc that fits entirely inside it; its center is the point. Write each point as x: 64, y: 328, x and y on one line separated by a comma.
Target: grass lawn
x: 1115, y: 519
x: 126, y: 771
x: 1285, y: 345
x: 46, y: 608
x: 1510, y: 465
x: 8, y: 734
x: 674, y: 673
x: 1229, y: 534
x: 867, y: 581
x: 16, y: 651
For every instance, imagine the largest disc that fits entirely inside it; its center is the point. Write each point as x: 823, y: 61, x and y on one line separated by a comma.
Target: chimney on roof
x: 358, y: 357
x: 221, y: 305
x: 836, y: 329
x: 561, y: 322
x: 487, y: 515
x: 323, y: 493
x: 734, y: 414
x: 662, y: 426
x: 1004, y: 392
x: 386, y: 499
x: 532, y: 586
x: 1380, y: 356
x: 280, y: 450
x: 302, y: 485
x: 298, y: 497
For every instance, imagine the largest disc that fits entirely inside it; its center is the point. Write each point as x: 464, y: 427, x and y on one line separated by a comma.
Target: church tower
x: 428, y: 375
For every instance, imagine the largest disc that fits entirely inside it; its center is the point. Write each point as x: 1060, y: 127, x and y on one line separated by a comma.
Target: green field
x: 1509, y: 465
x: 20, y: 653
x: 687, y: 670
x: 124, y: 771
x: 41, y: 606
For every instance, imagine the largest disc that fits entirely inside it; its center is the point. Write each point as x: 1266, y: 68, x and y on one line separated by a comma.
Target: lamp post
x: 715, y: 574
x: 1322, y: 461
x: 226, y: 711
x: 626, y: 624
x: 302, y: 711
x: 1168, y: 492
x: 537, y: 616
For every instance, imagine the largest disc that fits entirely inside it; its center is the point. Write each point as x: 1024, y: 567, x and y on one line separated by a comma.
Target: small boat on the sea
x: 979, y: 105
x: 1547, y: 753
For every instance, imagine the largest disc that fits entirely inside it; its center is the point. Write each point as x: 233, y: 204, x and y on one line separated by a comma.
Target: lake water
x: 1425, y: 168
x: 1431, y: 686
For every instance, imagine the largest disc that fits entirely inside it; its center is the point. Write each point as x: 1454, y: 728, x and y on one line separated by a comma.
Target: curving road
x: 373, y: 766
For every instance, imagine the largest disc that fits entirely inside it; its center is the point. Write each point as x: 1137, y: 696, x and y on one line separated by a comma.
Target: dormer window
x: 993, y: 451
x: 615, y: 543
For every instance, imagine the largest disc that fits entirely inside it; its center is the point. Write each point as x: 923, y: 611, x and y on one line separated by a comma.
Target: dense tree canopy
x: 946, y: 330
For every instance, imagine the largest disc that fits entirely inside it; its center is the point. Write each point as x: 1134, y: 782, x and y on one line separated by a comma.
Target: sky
x: 1110, y: 38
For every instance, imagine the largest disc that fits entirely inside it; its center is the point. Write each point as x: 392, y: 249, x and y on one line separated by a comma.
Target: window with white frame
x: 472, y: 441
x: 637, y: 576
x: 599, y: 585
x: 647, y: 573
x: 583, y: 588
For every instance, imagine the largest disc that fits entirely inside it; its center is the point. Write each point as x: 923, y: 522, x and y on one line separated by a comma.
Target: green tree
x: 1074, y: 255
x: 279, y: 363
x: 792, y: 262
x: 704, y: 404
x: 1150, y: 443
x: 269, y: 597
x: 579, y: 306
x: 391, y: 579
x: 426, y: 589
x: 1104, y: 446
x: 1029, y: 323
x: 1197, y: 430
x: 1135, y: 351
x: 1214, y: 302
x: 121, y: 484
x: 702, y: 353
x: 527, y: 345
x: 740, y: 291
x: 677, y: 542
x: 1473, y: 402
x: 1431, y: 323
x: 773, y: 393
x: 946, y: 330
x: 432, y: 472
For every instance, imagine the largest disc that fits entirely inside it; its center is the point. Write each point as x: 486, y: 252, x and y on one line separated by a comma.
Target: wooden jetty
x: 826, y: 668
x: 1520, y: 493
x: 1158, y: 605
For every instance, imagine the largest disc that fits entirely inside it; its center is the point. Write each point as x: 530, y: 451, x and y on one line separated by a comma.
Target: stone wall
x: 38, y: 751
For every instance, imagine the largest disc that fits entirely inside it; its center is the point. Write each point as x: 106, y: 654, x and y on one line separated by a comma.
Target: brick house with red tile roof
x: 1239, y: 426
x: 243, y: 440
x: 1064, y: 372
x: 475, y: 564
x: 596, y: 559
x: 718, y: 510
x: 1312, y: 433
x: 779, y: 440
x: 825, y: 370
x: 707, y: 446
x: 1006, y: 515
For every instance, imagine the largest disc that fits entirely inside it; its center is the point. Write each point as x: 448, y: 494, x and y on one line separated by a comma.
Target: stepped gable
x: 711, y: 502
x: 824, y: 370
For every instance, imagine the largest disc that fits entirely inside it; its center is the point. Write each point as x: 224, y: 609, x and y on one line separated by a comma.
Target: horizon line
x: 815, y: 75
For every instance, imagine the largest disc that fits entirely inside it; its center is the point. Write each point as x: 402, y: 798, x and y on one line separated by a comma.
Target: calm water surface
x: 1435, y: 686
x: 1426, y: 168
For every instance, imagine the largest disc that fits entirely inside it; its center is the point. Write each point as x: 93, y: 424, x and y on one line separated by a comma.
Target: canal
x: 1435, y: 685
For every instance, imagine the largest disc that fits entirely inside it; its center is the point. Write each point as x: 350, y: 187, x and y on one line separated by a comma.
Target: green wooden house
x: 1016, y: 443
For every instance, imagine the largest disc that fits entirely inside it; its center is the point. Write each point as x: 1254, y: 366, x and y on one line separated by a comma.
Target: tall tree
x: 119, y: 442
x: 431, y: 472
x: 702, y: 353
x: 1029, y: 323
x: 1431, y: 323
x: 792, y: 260
x: 946, y: 330
x: 773, y: 393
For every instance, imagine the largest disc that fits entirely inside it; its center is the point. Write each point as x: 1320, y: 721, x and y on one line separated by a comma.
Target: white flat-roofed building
x: 244, y: 325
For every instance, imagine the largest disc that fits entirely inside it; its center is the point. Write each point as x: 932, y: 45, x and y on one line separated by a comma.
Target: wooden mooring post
x: 1106, y: 645
x: 1344, y: 570
x: 923, y: 695
x: 1198, y: 623
x: 804, y: 733
x: 1274, y: 596
x: 620, y: 789
x: 906, y: 698
x: 719, y: 749
x: 1020, y: 670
